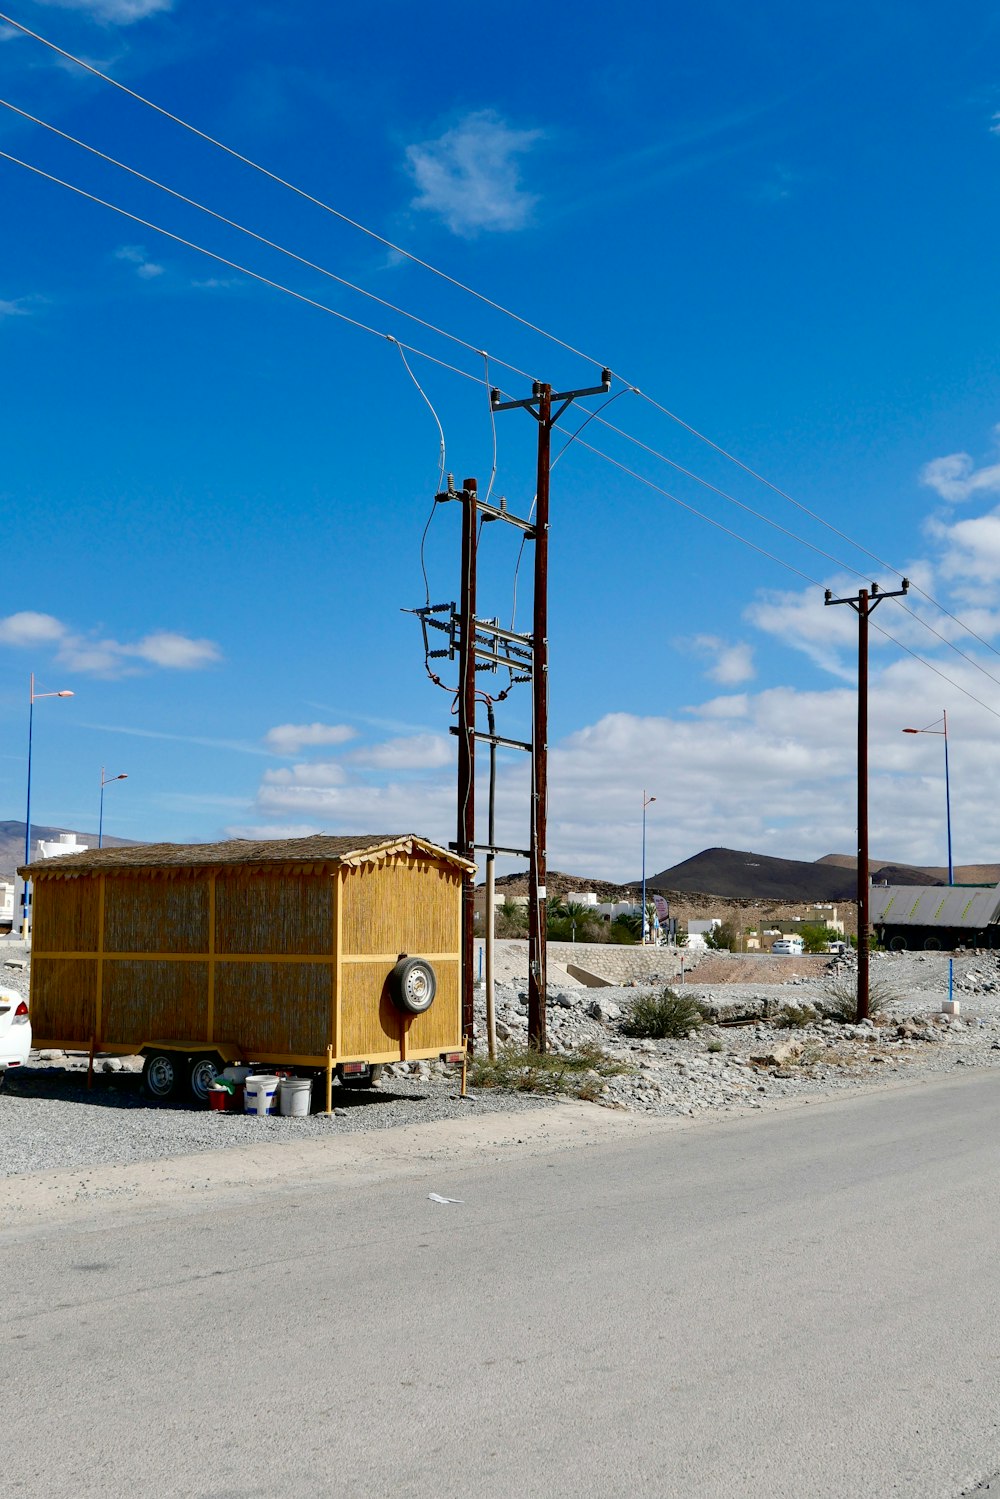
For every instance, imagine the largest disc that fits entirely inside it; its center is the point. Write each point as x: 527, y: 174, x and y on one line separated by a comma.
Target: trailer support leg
x: 329, y: 1081
x: 90, y: 1066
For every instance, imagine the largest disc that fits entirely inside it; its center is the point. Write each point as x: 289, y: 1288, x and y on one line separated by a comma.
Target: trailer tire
x: 413, y: 985
x: 366, y: 1079
x: 201, y: 1074
x: 897, y: 944
x: 161, y: 1075
x: 932, y: 944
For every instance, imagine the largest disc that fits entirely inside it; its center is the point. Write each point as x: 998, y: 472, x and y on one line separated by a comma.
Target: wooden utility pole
x: 863, y: 605
x: 540, y: 405
x: 466, y: 835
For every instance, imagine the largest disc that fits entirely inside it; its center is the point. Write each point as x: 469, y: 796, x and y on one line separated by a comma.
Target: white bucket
x: 237, y: 1074
x: 296, y: 1096
x: 260, y: 1095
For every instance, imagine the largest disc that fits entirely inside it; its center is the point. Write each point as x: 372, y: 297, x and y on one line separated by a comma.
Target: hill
x: 732, y: 873
x: 12, y: 843
x: 965, y: 874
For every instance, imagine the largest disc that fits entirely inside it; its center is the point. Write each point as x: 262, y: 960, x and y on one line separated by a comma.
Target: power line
x: 261, y: 239
x: 465, y: 375
x: 487, y: 301
x: 291, y: 186
x: 236, y: 266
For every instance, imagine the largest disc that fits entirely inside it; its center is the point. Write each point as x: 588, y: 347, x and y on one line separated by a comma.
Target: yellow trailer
x: 292, y: 953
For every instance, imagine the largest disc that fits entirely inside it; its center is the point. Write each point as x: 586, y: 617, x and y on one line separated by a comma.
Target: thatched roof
x: 321, y: 849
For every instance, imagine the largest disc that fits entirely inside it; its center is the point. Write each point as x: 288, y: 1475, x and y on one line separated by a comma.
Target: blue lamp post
x: 646, y: 801
x: 933, y: 729
x: 32, y: 697
x: 105, y: 781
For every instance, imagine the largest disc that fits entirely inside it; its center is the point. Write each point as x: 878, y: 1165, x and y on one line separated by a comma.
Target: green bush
x: 522, y: 1069
x: 655, y: 1017
x: 840, y: 1001
x: 793, y: 1017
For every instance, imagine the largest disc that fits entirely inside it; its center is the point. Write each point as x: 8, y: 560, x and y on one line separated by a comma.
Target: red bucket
x: 219, y: 1099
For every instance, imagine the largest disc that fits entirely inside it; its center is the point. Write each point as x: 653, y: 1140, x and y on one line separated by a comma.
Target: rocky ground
x: 766, y: 1040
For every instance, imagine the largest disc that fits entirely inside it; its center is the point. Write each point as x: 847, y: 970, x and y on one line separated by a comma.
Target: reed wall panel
x: 154, y: 1001
x: 275, y: 1007
x: 143, y: 914
x: 406, y: 905
x: 64, y: 914
x: 63, y: 998
x: 258, y: 911
x: 371, y: 1023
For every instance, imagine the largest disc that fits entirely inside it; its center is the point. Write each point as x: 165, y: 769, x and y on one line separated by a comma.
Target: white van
x: 789, y: 946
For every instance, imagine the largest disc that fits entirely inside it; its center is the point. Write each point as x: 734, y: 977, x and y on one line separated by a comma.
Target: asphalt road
x: 794, y: 1304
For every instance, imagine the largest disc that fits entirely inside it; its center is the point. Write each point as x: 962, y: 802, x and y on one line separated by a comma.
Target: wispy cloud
x: 135, y: 255
x: 470, y: 176
x: 956, y: 478
x: 114, y: 12
x: 14, y: 307
x: 240, y: 746
x: 102, y: 656
x: 995, y: 123
x: 729, y: 664
x: 290, y: 738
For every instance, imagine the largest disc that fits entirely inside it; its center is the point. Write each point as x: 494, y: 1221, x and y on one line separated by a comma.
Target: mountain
x: 965, y: 874
x: 730, y: 872
x: 12, y: 843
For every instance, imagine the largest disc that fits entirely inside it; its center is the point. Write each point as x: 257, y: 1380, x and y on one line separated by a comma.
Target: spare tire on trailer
x: 412, y: 985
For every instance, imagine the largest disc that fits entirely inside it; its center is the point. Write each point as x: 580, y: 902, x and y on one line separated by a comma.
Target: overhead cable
x: 487, y: 301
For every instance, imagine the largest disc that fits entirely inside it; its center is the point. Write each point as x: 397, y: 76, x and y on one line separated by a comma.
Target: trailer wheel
x: 413, y: 985
x: 366, y: 1079
x: 202, y: 1072
x: 161, y: 1075
x: 898, y: 944
x: 932, y: 944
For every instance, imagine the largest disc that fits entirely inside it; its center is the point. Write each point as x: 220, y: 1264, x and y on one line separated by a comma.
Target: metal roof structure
x: 969, y: 906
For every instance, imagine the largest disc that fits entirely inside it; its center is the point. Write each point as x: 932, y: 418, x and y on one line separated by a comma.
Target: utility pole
x: 864, y: 605
x: 540, y: 405
x: 465, y: 843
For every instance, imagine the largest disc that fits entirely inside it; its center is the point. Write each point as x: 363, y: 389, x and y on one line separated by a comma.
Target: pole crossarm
x: 565, y: 396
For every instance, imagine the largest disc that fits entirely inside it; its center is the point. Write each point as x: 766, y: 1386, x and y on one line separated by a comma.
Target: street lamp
x: 646, y: 801
x: 32, y: 696
x: 105, y: 781
x: 933, y: 729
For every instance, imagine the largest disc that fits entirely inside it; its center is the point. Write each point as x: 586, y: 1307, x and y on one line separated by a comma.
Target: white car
x: 789, y: 946
x: 15, y: 1031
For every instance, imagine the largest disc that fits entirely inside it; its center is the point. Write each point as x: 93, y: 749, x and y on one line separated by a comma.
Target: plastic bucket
x: 219, y: 1099
x: 260, y: 1095
x: 296, y: 1096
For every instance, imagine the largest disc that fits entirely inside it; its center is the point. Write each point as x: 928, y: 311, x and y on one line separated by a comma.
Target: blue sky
x: 781, y: 225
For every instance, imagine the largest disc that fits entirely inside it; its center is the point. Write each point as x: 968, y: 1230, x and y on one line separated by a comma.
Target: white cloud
x: 29, y: 628
x: 995, y: 123
x: 956, y: 478
x: 772, y: 771
x: 419, y: 752
x: 313, y: 776
x: 290, y: 738
x: 15, y: 307
x: 105, y: 657
x: 972, y: 548
x: 803, y: 621
x: 117, y: 12
x: 145, y: 269
x: 731, y: 664
x: 175, y: 652
x: 470, y: 176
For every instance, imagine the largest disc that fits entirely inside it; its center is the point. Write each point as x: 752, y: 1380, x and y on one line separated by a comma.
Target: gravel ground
x: 51, y: 1121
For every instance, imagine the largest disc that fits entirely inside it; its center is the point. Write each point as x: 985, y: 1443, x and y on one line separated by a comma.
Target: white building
x: 66, y: 843
x: 6, y: 903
